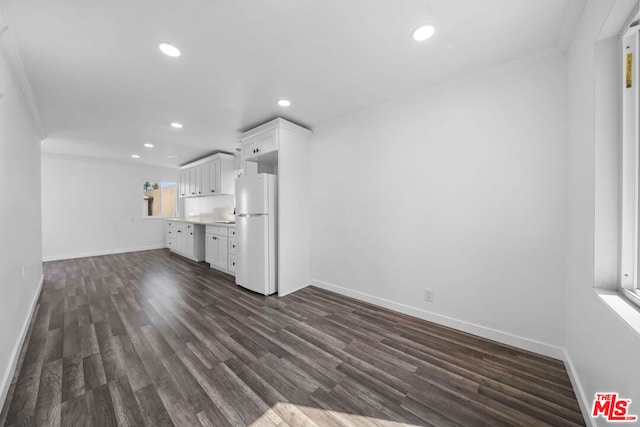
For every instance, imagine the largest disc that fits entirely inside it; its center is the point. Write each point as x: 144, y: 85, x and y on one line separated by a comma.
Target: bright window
x: 159, y: 199
x: 630, y: 178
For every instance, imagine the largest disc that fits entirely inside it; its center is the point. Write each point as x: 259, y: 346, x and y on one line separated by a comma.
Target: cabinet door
x: 232, y: 263
x: 214, y: 177
x: 211, y: 249
x: 205, y: 177
x: 267, y: 142
x: 250, y: 148
x: 183, y: 183
x: 198, y: 180
x: 180, y: 242
x: 232, y: 246
x: 192, y: 181
x: 190, y: 247
x: 260, y: 144
x: 215, y: 250
x: 222, y: 251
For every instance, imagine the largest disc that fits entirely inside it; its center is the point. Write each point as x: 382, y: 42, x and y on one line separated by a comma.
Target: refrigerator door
x: 254, y: 269
x: 252, y: 194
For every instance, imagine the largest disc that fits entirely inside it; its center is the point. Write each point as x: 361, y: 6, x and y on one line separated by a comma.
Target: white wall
x: 602, y: 350
x: 92, y: 207
x: 19, y: 220
x: 461, y: 189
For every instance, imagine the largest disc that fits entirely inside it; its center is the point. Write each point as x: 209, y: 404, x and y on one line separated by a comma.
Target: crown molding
x: 277, y: 123
x: 10, y: 51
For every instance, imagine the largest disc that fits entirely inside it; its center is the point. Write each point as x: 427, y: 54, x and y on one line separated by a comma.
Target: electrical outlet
x: 24, y: 271
x: 428, y: 295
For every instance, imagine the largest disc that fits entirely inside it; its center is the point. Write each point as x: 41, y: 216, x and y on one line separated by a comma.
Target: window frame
x: 160, y: 182
x: 629, y: 285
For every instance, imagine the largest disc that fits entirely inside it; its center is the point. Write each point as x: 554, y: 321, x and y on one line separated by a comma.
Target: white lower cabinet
x: 170, y: 236
x: 220, y: 248
x: 217, y: 250
x: 186, y: 239
x: 232, y: 264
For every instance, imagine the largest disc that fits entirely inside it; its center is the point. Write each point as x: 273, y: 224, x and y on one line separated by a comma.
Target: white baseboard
x: 15, y: 354
x: 584, y: 401
x: 479, y: 330
x: 282, y: 294
x: 99, y: 253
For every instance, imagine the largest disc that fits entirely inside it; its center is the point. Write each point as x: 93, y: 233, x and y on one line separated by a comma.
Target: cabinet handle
x: 179, y: 231
x: 191, y: 234
x: 213, y: 191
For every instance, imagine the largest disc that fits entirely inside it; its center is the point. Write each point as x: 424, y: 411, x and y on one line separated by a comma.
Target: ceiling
x: 101, y: 87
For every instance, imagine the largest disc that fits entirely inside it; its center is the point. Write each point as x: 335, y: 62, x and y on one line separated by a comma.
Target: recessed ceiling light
x: 284, y: 102
x: 148, y: 145
x: 135, y: 156
x: 169, y: 49
x: 423, y: 33
x: 172, y: 156
x: 176, y: 125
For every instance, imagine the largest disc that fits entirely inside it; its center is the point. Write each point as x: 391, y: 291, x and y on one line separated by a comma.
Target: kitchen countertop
x: 203, y: 221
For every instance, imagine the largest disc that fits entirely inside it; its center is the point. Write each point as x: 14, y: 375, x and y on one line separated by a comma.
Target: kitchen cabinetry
x: 212, y: 179
x: 171, y: 235
x: 220, y: 248
x: 260, y: 144
x: 283, y: 148
x: 196, y: 181
x: 211, y: 176
x: 183, y: 183
x: 186, y: 240
x: 232, y: 251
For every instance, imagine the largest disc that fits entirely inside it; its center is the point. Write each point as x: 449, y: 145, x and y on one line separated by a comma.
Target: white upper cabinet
x: 197, y: 187
x: 262, y: 143
x: 183, y: 183
x: 211, y: 176
x: 205, y: 178
x: 192, y: 182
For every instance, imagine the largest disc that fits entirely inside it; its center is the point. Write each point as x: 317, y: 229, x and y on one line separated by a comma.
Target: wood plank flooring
x: 148, y: 338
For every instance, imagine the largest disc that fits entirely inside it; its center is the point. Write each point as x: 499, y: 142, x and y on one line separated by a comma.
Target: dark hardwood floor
x: 148, y: 338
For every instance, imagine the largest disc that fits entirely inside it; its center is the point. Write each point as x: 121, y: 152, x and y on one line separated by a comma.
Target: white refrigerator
x: 256, y: 199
